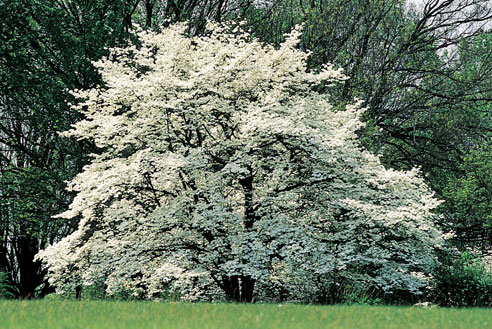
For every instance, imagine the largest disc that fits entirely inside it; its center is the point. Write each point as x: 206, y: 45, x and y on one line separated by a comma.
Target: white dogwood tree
x: 224, y: 173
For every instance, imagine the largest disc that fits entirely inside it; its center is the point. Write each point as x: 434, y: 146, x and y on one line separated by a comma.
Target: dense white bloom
x: 223, y: 173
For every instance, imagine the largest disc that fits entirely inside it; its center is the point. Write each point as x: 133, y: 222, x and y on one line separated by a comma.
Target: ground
x: 110, y: 314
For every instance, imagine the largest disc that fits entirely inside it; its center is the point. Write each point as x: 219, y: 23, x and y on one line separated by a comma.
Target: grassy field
x: 107, y: 314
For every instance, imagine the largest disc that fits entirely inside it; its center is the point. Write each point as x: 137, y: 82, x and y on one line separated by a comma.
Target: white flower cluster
x: 224, y: 174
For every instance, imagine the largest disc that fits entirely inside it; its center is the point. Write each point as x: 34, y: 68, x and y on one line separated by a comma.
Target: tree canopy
x: 224, y: 172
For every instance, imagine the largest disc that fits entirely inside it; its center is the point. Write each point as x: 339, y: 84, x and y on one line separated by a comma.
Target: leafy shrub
x: 350, y: 292
x: 463, y: 282
x: 360, y: 296
x: 6, y: 289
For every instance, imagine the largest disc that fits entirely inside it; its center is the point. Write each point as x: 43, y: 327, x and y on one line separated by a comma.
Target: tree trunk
x: 247, y: 288
x: 149, y: 11
x: 231, y: 288
x: 29, y: 270
x: 239, y: 288
x: 78, y: 292
x: 249, y: 211
x: 248, y: 283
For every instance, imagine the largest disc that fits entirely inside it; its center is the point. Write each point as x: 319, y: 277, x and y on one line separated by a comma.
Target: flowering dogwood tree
x: 224, y: 173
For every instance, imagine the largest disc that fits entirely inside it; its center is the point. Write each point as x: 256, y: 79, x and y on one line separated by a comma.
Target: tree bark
x: 78, y: 292
x: 249, y: 211
x: 247, y: 282
x: 247, y: 289
x: 239, y: 288
x: 231, y: 288
x: 29, y: 270
x: 149, y: 11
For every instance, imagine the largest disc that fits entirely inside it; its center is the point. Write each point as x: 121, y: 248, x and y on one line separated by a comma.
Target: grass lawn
x: 109, y: 314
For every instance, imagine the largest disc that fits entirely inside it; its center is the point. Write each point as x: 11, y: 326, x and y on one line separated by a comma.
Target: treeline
x: 423, y: 70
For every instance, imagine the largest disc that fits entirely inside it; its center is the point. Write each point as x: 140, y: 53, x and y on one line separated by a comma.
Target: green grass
x: 136, y: 315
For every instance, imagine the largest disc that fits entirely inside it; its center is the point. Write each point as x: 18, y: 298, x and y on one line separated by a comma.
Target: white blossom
x: 222, y: 166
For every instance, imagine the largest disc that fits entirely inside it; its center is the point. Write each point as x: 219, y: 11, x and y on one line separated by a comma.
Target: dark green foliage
x: 463, y: 282
x: 7, y: 290
x: 469, y: 197
x: 351, y: 294
x: 467, y: 186
x: 45, y: 50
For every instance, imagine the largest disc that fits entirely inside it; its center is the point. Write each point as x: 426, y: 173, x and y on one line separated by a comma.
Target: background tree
x: 45, y: 48
x: 225, y: 174
x: 156, y: 14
